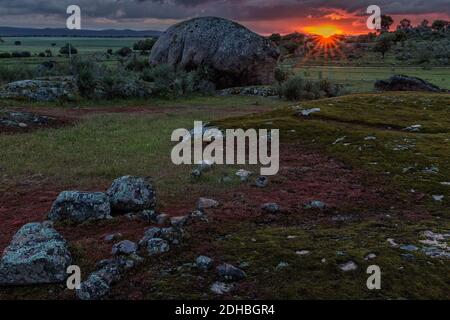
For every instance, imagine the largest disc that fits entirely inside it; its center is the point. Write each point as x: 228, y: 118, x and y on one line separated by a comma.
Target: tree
x: 124, y: 52
x: 386, y: 22
x: 425, y: 23
x: 144, y: 45
x: 405, y: 24
x: 383, y: 44
x: 439, y: 25
x: 65, y: 49
x: 400, y: 36
x: 275, y: 37
x: 17, y: 43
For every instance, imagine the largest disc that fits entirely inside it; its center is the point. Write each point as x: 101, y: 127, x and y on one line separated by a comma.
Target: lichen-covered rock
x: 406, y: 83
x: 125, y: 247
x: 228, y: 272
x: 78, y: 207
x: 157, y: 246
x: 204, y: 262
x: 128, y: 194
x: 205, y: 203
x: 41, y: 90
x: 37, y: 254
x: 235, y: 55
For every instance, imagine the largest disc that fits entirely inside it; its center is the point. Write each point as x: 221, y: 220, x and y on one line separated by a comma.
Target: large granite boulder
x: 236, y: 55
x: 406, y: 83
x: 37, y: 254
x: 131, y: 194
x: 78, y: 207
x: 64, y: 88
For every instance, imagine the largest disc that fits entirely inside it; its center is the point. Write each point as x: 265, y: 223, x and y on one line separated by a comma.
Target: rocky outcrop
x: 235, y: 55
x: 41, y: 90
x: 37, y: 254
x: 78, y: 207
x: 132, y: 194
x: 406, y: 83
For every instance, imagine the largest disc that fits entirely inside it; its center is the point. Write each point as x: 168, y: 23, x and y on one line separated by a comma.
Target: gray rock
x: 308, y: 112
x: 282, y: 265
x: 271, y: 207
x: 316, y: 204
x: 348, y: 266
x: 204, y: 262
x: 262, y: 182
x: 409, y: 247
x: 205, y: 203
x: 150, y: 233
x: 157, y: 246
x: 228, y: 272
x: 79, y: 206
x: 125, y: 247
x: 41, y: 90
x: 37, y: 254
x: 179, y: 222
x: 162, y: 218
x: 132, y: 194
x: 221, y: 288
x: 243, y: 174
x: 113, y: 236
x: 406, y: 83
x: 235, y: 55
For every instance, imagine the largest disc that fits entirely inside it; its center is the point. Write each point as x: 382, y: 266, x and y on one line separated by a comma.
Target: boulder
x: 228, y: 272
x: 78, y: 207
x: 205, y: 203
x: 406, y: 83
x: 37, y: 254
x: 235, y: 55
x: 132, y: 194
x: 157, y: 246
x: 41, y: 90
x: 125, y: 247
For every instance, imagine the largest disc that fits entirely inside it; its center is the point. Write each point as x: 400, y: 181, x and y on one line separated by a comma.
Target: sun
x: 325, y: 31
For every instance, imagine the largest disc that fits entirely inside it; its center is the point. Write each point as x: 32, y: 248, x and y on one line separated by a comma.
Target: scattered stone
x: 238, y: 57
x: 414, y: 128
x: 221, y: 288
x: 113, y: 236
x: 316, y: 204
x: 348, y: 266
x: 37, y: 254
x: 125, y: 247
x: 228, y: 272
x: 132, y: 194
x: 302, y: 253
x: 308, y: 112
x: 392, y: 242
x: 204, y: 262
x: 79, y: 206
x: 271, y: 207
x: 370, y: 138
x: 339, y: 140
x: 162, y: 219
x: 179, y: 222
x: 157, y: 246
x: 431, y: 170
x: 409, y: 247
x: 148, y: 215
x: 260, y: 91
x: 150, y: 233
x: 261, y: 182
x: 282, y: 265
x: 205, y: 203
x: 171, y: 235
x: 324, y: 260
x: 370, y: 256
x: 445, y: 184
x: 438, y: 198
x: 408, y: 256
x: 196, y: 173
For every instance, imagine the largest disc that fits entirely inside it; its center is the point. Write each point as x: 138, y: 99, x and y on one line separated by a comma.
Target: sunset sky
x: 263, y: 16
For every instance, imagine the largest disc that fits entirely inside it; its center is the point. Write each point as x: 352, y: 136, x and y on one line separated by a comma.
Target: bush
x: 124, y: 52
x: 17, y: 43
x: 21, y: 54
x: 5, y: 55
x: 15, y: 73
x: 281, y: 75
x: 137, y: 64
x: 144, y: 45
x: 65, y: 49
x: 297, y: 88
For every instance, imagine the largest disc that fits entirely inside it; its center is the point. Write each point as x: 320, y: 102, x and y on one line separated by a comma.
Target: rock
x: 125, y: 247
x: 271, y: 207
x: 243, y: 174
x: 150, y: 233
x: 228, y: 272
x: 23, y: 120
x: 113, y: 236
x: 370, y: 256
x: 41, y: 90
x: 179, y: 222
x: 302, y: 253
x: 406, y: 83
x: 261, y: 182
x: 414, y: 128
x: 196, y: 173
x: 316, y: 204
x: 438, y: 198
x: 37, y: 254
x: 259, y: 91
x: 282, y: 265
x: 204, y: 203
x: 409, y: 247
x: 171, y: 235
x: 392, y: 242
x: 408, y: 256
x: 308, y: 112
x: 157, y: 246
x: 234, y: 55
x: 162, y: 218
x: 148, y: 215
x: 221, y: 288
x: 348, y: 266
x: 79, y: 206
x: 131, y: 194
x: 204, y: 263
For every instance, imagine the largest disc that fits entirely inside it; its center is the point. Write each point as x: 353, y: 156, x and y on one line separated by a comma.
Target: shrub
x: 144, y: 45
x: 15, y: 73
x: 17, y: 43
x: 4, y: 55
x: 297, y: 88
x: 21, y: 54
x: 66, y: 48
x: 137, y: 64
x: 124, y: 52
x: 281, y: 75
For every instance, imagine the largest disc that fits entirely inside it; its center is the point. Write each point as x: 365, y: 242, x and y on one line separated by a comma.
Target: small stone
x: 243, y: 175
x: 148, y: 215
x: 204, y: 262
x: 179, y: 222
x: 221, y: 288
x: 369, y: 138
x: 196, y: 173
x: 438, y: 198
x: 409, y: 247
x: 261, y: 182
x: 270, y: 207
x: 324, y: 260
x: 445, y: 184
x: 348, y: 266
x: 408, y: 256
x: 370, y: 256
x: 162, y: 219
x: 316, y: 204
x: 157, y: 246
x: 125, y: 247
x: 228, y: 272
x: 308, y: 112
x: 205, y: 203
x: 302, y: 252
x: 281, y: 266
x: 23, y: 125
x: 339, y: 140
x: 113, y: 236
x: 414, y: 128
x: 392, y: 242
